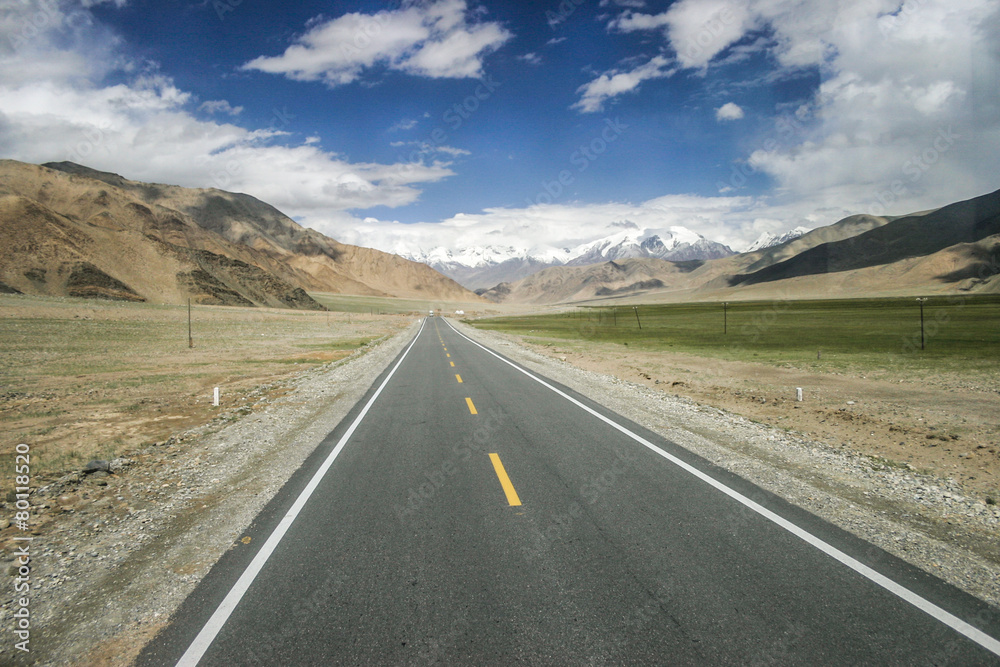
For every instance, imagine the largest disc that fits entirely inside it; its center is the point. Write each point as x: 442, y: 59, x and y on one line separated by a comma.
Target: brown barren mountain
x: 952, y: 249
x: 71, y: 230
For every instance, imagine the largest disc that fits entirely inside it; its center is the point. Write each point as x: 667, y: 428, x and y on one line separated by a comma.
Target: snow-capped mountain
x: 766, y: 240
x: 676, y: 244
x: 486, y: 266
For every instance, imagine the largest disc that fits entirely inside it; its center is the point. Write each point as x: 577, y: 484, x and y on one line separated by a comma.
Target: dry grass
x: 83, y: 379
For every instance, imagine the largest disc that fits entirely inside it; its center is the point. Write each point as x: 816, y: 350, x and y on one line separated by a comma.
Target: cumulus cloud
x: 145, y: 128
x: 698, y: 30
x: 433, y: 39
x: 616, y: 82
x: 896, y: 123
x: 729, y: 111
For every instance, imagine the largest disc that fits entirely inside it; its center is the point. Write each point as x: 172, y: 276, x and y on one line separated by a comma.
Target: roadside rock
x: 97, y: 465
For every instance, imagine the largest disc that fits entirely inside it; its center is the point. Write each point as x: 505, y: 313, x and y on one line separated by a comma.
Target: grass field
x: 375, y: 305
x: 89, y: 379
x: 960, y: 332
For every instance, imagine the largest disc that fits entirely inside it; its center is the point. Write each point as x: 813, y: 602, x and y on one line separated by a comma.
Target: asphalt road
x: 468, y: 513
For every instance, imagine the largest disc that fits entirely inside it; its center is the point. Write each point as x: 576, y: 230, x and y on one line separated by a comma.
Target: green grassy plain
x: 962, y: 333
x: 375, y: 305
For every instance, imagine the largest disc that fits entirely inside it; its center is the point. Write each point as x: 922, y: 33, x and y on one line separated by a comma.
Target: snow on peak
x: 766, y: 240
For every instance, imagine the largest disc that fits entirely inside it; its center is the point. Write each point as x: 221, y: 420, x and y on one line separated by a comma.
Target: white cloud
x: 616, y: 82
x: 697, y: 29
x: 531, y: 58
x: 433, y: 39
x: 901, y: 118
x: 429, y: 148
x: 729, y: 111
x: 735, y: 221
x: 220, y: 106
x: 145, y: 129
x: 403, y: 125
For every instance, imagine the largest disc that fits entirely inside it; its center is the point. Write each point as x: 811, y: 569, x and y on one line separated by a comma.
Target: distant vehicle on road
x: 460, y: 312
x: 430, y: 313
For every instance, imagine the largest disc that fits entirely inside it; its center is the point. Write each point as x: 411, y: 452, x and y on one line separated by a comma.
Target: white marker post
x: 215, y: 398
x: 798, y: 394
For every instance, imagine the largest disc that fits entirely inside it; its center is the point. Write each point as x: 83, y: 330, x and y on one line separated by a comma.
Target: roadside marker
x: 508, y: 488
x: 472, y: 408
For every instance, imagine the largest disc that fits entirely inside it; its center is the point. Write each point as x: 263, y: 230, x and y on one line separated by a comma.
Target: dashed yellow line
x: 472, y: 408
x: 452, y: 363
x: 505, y: 482
x: 447, y: 355
x: 458, y: 377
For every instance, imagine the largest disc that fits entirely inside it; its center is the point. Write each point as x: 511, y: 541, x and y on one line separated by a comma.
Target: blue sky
x: 445, y: 123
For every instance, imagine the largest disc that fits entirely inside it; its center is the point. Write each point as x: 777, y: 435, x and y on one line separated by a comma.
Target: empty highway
x: 468, y: 511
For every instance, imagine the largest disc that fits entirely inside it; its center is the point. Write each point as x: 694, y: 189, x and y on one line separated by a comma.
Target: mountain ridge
x: 955, y: 248
x: 209, y: 244
x: 482, y: 267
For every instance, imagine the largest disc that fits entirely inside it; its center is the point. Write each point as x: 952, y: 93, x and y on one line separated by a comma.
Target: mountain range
x: 481, y: 267
x: 953, y: 249
x: 70, y: 230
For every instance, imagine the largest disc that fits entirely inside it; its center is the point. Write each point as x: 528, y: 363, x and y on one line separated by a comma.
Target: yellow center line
x: 472, y: 408
x: 447, y: 355
x: 452, y: 363
x: 508, y: 488
x: 458, y: 377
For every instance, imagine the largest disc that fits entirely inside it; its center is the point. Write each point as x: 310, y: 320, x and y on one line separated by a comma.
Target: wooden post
x: 725, y: 317
x: 921, y: 301
x: 190, y: 338
x: 636, y: 310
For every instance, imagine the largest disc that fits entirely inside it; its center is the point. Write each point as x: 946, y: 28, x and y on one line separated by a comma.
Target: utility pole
x: 190, y: 338
x: 635, y: 309
x: 725, y: 317
x: 921, y: 300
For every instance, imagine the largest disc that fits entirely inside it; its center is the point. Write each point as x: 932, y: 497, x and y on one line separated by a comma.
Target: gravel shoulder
x: 927, y: 520
x: 126, y: 548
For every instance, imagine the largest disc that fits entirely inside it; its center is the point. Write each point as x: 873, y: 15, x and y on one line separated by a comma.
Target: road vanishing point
x: 471, y: 512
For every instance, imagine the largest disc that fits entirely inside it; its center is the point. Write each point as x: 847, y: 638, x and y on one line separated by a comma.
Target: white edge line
x: 976, y: 635
x: 201, y: 643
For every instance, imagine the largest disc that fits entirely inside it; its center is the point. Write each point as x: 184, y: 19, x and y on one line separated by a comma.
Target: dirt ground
x: 945, y: 425
x: 96, y: 379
